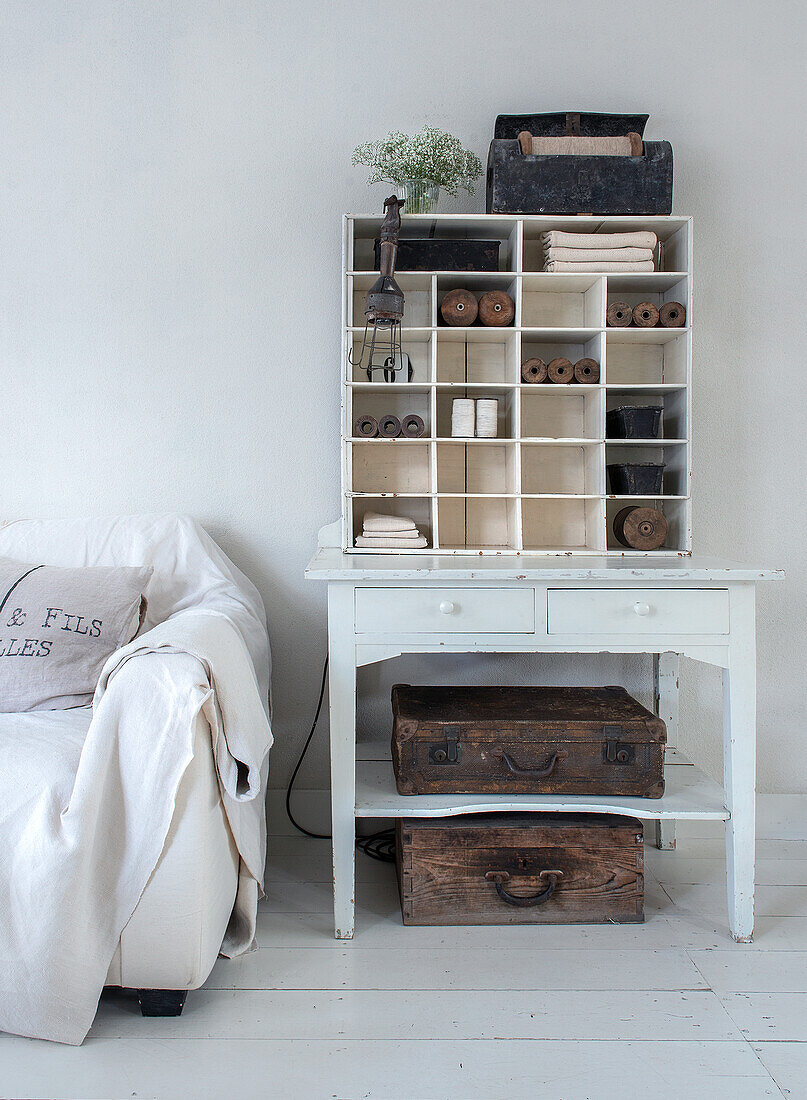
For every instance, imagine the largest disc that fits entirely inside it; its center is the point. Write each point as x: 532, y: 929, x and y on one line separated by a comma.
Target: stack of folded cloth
x: 599, y: 251
x: 390, y: 533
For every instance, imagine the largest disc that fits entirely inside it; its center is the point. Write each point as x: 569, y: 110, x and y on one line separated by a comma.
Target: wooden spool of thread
x: 366, y: 427
x: 496, y: 308
x: 672, y: 315
x: 463, y: 417
x: 459, y: 308
x: 587, y: 371
x: 533, y: 370
x: 619, y: 314
x: 560, y: 371
x: 389, y: 427
x: 412, y: 426
x: 487, y: 418
x: 645, y: 315
x: 640, y: 528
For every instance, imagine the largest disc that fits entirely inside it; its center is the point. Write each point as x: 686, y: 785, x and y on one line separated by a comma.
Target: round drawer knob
x: 447, y: 607
x: 641, y: 608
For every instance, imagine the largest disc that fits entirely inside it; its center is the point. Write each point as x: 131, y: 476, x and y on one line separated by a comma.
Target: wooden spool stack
x: 640, y: 528
x: 389, y: 427
x: 619, y: 315
x: 672, y: 315
x: 496, y: 308
x: 587, y: 371
x: 560, y: 371
x: 365, y: 427
x: 533, y: 370
x: 459, y: 308
x: 645, y: 315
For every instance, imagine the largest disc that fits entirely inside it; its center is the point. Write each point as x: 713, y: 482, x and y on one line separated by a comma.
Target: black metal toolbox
x: 444, y: 254
x: 572, y: 184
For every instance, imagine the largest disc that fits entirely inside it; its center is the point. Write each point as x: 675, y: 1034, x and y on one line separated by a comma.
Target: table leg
x: 739, y: 762
x: 665, y: 679
x: 342, y: 697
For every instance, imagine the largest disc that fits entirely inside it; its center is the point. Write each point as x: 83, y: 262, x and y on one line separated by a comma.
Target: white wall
x: 173, y: 175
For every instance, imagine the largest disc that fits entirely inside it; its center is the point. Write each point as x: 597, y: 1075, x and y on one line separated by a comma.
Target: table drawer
x: 445, y: 610
x: 638, y: 611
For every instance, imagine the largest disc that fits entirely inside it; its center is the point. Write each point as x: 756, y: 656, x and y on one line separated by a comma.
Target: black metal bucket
x: 635, y: 478
x: 633, y: 422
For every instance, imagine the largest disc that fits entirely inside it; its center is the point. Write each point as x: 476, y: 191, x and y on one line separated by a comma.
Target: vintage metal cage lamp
x: 384, y: 307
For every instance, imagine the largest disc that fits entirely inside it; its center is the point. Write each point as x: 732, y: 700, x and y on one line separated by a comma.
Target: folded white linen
x: 597, y: 255
x: 599, y: 265
x: 640, y: 238
x: 86, y: 827
x: 381, y: 543
x: 410, y: 534
x: 375, y: 521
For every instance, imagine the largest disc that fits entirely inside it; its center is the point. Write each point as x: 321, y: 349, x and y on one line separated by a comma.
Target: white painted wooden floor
x: 668, y: 1009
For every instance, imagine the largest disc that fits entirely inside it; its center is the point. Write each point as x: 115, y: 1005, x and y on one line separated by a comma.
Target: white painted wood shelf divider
x: 541, y: 486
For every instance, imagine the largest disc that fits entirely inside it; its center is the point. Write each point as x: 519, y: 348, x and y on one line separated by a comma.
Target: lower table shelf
x: 690, y: 794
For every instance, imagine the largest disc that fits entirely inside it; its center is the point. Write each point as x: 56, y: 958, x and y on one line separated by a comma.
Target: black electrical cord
x: 381, y: 845
x: 301, y: 758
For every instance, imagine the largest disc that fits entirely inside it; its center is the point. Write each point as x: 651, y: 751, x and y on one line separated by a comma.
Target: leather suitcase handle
x: 532, y: 773
x: 500, y: 877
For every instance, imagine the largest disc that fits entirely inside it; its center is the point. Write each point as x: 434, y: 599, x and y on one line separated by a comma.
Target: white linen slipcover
x: 86, y: 818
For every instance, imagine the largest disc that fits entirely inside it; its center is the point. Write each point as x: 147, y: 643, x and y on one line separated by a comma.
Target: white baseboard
x: 779, y: 816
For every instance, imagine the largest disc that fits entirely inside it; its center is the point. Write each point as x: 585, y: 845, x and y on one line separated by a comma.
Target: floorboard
x: 209, y: 1069
x: 452, y: 1013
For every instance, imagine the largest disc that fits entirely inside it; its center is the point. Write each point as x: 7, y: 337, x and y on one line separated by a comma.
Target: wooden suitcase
x: 525, y: 740
x: 518, y: 868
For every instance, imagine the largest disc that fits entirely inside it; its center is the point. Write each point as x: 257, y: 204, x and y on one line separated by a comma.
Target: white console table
x: 380, y: 606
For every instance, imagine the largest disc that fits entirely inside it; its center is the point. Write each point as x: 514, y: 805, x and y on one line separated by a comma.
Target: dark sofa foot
x: 161, y: 1002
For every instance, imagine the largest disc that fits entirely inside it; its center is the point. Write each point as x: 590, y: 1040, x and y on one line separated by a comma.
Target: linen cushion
x: 57, y: 628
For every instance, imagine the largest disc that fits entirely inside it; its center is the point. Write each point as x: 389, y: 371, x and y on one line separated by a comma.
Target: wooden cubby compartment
x: 562, y: 525
x: 478, y: 523
x: 541, y: 486
x: 561, y: 469
x: 477, y: 356
x: 562, y: 301
x: 506, y: 409
x: 391, y: 466
x: 417, y: 508
x: 417, y: 345
x: 400, y: 403
x: 490, y: 469
x: 418, y: 299
x: 675, y: 512
x: 561, y: 412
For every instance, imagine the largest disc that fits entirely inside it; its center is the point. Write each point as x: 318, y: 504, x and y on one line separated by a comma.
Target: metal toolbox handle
x: 500, y: 877
x: 533, y: 773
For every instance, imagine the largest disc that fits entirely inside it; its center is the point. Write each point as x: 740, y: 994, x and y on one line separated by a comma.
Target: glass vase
x: 421, y: 196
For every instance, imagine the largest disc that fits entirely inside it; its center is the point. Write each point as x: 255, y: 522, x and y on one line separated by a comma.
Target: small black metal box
x: 444, y: 254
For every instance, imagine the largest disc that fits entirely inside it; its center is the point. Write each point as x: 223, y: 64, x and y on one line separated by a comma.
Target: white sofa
x: 189, y: 897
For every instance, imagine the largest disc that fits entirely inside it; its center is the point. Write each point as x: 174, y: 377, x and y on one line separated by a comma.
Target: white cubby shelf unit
x: 541, y: 486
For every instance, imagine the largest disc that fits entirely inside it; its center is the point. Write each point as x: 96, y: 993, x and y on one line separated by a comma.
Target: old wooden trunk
x: 521, y: 869
x: 525, y: 740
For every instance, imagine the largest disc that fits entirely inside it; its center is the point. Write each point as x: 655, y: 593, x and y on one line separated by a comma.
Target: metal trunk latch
x: 449, y: 751
x: 615, y: 751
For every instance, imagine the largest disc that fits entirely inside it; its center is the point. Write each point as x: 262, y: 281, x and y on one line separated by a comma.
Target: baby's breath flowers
x: 430, y: 155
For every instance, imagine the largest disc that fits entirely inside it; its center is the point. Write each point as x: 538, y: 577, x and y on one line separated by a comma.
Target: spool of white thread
x: 463, y: 416
x: 487, y: 418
